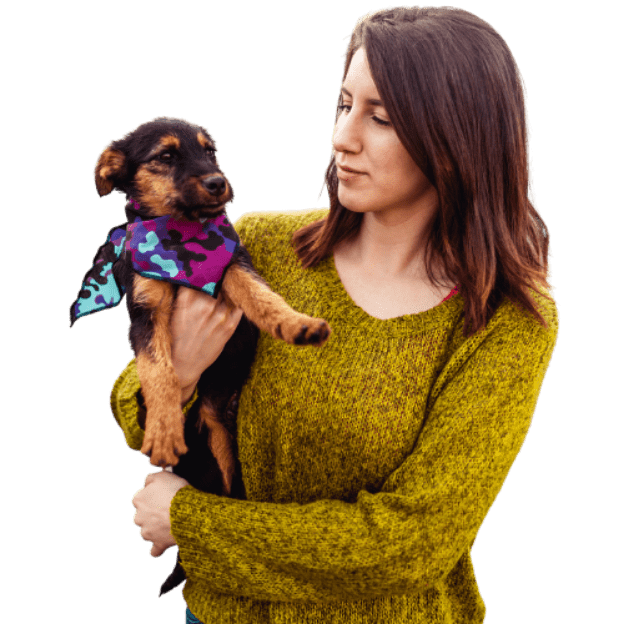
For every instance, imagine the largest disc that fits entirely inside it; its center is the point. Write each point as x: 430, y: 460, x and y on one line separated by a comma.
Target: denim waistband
x: 190, y: 618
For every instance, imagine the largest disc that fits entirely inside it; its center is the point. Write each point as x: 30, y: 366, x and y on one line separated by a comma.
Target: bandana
x: 194, y: 254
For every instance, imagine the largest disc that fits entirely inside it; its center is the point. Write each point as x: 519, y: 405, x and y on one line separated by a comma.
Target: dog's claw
x: 300, y: 339
x: 293, y: 330
x: 314, y: 338
x: 178, y: 452
x: 161, y: 453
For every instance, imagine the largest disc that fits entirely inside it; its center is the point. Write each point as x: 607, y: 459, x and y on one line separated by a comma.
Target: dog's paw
x: 164, y: 446
x: 303, y: 330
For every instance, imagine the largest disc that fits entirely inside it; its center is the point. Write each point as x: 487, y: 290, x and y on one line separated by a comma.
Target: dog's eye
x: 165, y: 156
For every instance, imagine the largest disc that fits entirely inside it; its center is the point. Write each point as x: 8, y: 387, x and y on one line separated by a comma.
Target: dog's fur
x: 169, y: 167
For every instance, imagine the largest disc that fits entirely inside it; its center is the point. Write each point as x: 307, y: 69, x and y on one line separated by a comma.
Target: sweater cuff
x: 188, y: 507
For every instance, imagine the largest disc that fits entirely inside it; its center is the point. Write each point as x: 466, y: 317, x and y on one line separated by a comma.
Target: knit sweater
x: 369, y: 463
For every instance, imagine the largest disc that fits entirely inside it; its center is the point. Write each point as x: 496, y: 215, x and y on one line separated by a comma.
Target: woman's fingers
x: 200, y: 327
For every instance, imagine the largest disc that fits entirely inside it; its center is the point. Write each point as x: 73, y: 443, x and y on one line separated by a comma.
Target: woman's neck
x: 389, y: 246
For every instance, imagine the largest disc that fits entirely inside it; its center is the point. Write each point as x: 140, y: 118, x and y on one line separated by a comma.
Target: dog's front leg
x: 268, y: 310
x: 164, y: 424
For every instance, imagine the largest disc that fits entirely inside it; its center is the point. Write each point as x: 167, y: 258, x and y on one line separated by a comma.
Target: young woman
x: 370, y: 463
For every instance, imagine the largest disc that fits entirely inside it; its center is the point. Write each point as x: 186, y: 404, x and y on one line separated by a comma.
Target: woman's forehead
x: 359, y: 77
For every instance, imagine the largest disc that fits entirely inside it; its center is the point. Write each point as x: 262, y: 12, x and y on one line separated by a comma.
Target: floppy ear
x: 110, y: 170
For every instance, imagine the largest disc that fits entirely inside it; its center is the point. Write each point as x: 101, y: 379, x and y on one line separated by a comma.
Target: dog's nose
x: 215, y: 185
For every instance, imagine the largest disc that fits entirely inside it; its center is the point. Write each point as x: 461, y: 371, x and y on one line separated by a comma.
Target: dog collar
x: 187, y: 253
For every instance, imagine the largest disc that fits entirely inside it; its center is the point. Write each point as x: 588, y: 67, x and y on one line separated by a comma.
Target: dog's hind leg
x: 220, y: 442
x: 164, y: 426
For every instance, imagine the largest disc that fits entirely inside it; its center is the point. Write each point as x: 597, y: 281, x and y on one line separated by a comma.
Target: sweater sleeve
x: 126, y: 399
x: 409, y: 535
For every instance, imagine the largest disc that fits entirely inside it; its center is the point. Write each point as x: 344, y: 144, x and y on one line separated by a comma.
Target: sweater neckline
x: 355, y: 315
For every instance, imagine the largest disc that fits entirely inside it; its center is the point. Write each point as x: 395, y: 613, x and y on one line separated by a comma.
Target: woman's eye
x: 347, y: 108
x: 381, y: 122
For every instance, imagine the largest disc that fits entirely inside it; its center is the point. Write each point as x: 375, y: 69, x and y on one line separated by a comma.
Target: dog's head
x: 169, y: 167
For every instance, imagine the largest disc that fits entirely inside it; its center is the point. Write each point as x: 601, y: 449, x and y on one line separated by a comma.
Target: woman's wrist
x: 187, y: 393
x: 187, y: 383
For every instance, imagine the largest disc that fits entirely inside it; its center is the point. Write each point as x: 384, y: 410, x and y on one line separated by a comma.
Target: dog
x: 176, y: 197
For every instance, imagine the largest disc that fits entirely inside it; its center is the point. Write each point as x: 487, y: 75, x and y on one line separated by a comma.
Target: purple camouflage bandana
x: 194, y: 254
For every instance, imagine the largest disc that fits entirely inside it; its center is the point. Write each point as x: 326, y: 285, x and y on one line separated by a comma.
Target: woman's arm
x: 406, y: 537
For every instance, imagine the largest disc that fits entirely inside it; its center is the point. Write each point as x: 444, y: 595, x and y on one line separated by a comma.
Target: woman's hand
x: 200, y: 328
x: 153, y: 504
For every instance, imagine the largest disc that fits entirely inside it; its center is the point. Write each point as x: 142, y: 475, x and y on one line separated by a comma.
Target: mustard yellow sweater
x: 369, y: 463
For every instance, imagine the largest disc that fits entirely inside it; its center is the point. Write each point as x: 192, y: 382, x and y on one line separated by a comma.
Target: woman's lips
x: 346, y: 174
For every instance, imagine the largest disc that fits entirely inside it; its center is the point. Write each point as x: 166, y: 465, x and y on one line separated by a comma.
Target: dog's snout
x: 215, y: 185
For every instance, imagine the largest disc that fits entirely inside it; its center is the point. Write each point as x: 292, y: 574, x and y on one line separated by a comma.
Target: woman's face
x: 364, y: 141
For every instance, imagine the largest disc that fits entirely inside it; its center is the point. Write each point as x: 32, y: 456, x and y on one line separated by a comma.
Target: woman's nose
x: 346, y: 134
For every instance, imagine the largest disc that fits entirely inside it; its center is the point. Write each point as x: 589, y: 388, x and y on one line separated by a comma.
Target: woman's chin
x: 350, y: 201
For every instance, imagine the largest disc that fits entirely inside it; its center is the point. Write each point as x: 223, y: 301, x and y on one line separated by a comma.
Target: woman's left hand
x: 153, y: 503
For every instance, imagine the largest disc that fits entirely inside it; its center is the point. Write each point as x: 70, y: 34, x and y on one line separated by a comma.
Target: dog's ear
x: 110, y: 170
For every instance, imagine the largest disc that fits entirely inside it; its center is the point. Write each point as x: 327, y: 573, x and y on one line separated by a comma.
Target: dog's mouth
x: 209, y: 211
x: 201, y: 213
x: 211, y: 207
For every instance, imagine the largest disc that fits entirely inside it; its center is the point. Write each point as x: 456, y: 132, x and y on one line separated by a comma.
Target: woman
x: 371, y: 462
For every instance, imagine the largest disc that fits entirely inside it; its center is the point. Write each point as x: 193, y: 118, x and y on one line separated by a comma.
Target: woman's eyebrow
x: 369, y: 101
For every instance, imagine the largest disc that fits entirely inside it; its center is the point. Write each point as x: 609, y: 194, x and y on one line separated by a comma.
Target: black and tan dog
x: 168, y: 170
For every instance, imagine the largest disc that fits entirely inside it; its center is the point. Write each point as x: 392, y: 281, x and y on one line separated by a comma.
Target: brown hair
x: 454, y: 95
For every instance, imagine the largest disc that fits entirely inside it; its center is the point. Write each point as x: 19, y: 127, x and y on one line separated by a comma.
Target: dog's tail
x: 176, y: 577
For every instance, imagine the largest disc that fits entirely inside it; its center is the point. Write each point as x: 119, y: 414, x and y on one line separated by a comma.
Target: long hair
x: 454, y: 95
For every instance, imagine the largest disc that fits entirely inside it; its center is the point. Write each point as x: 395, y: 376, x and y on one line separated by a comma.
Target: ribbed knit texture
x: 369, y: 463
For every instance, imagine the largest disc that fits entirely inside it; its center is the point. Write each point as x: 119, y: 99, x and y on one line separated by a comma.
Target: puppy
x: 177, y: 235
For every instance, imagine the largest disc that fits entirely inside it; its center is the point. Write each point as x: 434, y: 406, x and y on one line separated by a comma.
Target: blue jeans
x: 190, y: 618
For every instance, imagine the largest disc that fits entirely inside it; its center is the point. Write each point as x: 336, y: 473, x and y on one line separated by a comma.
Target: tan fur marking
x: 203, y: 141
x: 220, y: 442
x: 156, y: 189
x: 170, y: 141
x: 164, y: 427
x: 153, y: 294
x: 268, y: 311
